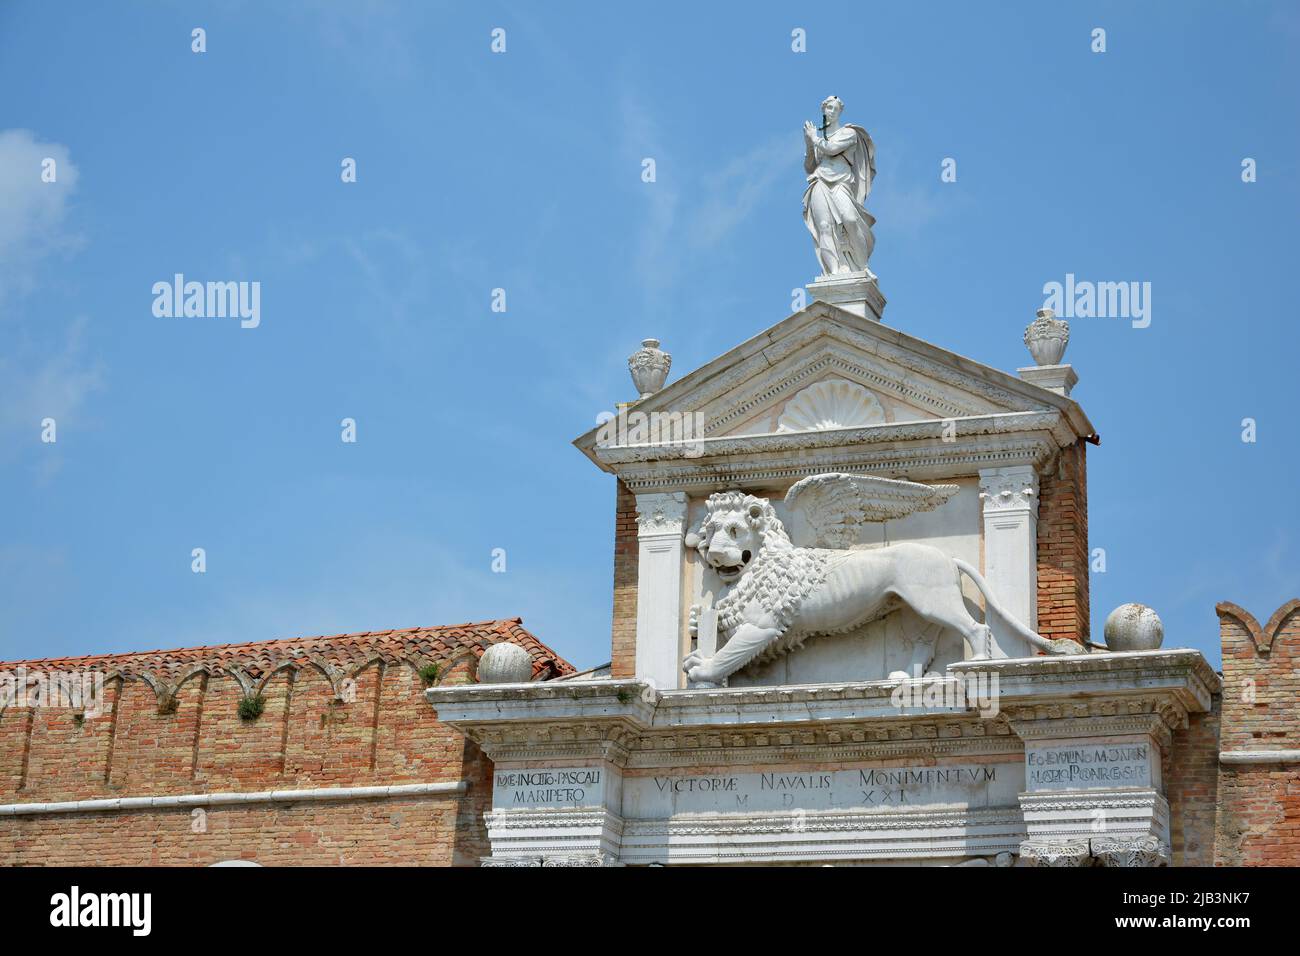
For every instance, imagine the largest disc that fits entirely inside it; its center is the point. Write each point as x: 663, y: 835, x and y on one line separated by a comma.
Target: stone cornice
x: 917, y: 461
x: 1181, y: 677
x: 926, y: 430
x: 632, y: 724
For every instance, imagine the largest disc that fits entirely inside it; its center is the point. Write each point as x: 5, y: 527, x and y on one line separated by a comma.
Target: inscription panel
x: 862, y: 788
x: 549, y: 787
x: 1085, y: 766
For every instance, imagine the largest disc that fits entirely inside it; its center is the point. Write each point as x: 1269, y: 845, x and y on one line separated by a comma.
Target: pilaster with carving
x: 1010, y: 497
x: 661, y: 524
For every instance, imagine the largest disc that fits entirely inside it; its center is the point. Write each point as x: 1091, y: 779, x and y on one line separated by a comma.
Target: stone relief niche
x: 873, y: 650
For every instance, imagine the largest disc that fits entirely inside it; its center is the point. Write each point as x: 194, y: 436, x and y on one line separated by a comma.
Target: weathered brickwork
x: 346, y: 711
x: 1063, y: 547
x: 1259, y: 802
x: 1191, y: 775
x: 625, y: 583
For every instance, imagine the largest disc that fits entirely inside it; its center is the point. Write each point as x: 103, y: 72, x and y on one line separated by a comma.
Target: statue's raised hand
x: 809, y: 131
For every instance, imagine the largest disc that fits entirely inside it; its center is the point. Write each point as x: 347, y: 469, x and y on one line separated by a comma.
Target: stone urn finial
x: 1047, y: 336
x: 649, y: 367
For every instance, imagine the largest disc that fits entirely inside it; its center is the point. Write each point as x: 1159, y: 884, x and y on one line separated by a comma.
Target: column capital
x: 1071, y: 853
x: 1144, y: 851
x: 661, y: 513
x: 1009, y: 489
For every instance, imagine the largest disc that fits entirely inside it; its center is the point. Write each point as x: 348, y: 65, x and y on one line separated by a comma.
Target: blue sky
x: 522, y: 171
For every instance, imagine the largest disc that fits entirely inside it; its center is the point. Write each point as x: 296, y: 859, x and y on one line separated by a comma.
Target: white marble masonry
x: 1010, y: 497
x: 661, y: 523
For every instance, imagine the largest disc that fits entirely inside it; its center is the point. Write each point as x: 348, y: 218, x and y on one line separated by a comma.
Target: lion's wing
x: 834, y: 506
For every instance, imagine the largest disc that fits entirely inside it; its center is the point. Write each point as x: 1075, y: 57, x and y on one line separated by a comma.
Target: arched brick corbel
x: 1264, y: 637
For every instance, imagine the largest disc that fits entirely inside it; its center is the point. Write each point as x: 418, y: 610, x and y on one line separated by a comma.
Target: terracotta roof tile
x: 445, y: 643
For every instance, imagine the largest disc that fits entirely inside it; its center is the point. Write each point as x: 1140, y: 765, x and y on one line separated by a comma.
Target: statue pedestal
x: 857, y: 292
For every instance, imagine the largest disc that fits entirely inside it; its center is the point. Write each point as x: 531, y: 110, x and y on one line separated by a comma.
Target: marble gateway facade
x: 899, y: 735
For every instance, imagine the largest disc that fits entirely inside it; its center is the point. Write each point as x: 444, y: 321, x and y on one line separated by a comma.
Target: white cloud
x: 692, y: 208
x: 33, y: 212
x: 44, y: 371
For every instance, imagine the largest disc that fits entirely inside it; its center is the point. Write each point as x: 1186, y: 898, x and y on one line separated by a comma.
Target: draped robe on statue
x: 840, y: 170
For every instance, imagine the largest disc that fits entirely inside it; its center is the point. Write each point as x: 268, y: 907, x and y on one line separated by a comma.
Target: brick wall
x: 1259, y: 803
x: 379, y: 731
x: 623, y: 653
x: 1063, y: 547
x: 303, y: 739
x: 1191, y: 775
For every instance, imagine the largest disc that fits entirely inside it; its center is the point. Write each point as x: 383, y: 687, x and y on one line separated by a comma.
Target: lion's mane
x: 778, y: 578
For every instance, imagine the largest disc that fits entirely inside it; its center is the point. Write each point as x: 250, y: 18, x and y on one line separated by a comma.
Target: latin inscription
x: 546, y: 788
x: 865, y: 788
x: 1082, y: 767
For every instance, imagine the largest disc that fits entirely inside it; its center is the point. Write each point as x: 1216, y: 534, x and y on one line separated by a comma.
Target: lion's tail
x: 994, y: 609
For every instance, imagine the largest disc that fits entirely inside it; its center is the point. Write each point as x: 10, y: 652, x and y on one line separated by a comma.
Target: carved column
x: 1144, y: 851
x: 661, y: 520
x: 1075, y: 853
x: 1010, y: 497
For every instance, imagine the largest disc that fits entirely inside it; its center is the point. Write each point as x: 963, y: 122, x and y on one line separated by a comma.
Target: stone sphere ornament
x: 1134, y: 627
x: 505, y: 663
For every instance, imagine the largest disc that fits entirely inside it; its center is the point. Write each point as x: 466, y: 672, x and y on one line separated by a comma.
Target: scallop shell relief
x: 834, y: 403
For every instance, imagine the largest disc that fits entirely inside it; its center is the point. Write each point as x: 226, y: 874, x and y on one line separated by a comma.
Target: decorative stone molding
x: 1009, y: 489
x: 661, y: 514
x: 1076, y: 853
x: 915, y: 835
x: 1144, y: 851
x: 1084, y: 815
x: 917, y: 453
x: 555, y: 832
x: 771, y: 445
x: 510, y: 861
x: 594, y: 859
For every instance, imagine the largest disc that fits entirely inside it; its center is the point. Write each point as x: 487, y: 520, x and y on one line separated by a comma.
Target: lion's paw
x: 699, y: 671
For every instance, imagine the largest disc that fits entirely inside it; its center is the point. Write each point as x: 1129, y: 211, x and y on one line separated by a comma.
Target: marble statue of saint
x: 840, y: 161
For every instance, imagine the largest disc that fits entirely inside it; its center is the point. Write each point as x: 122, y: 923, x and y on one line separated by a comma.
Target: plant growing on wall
x: 429, y: 674
x: 251, y: 706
